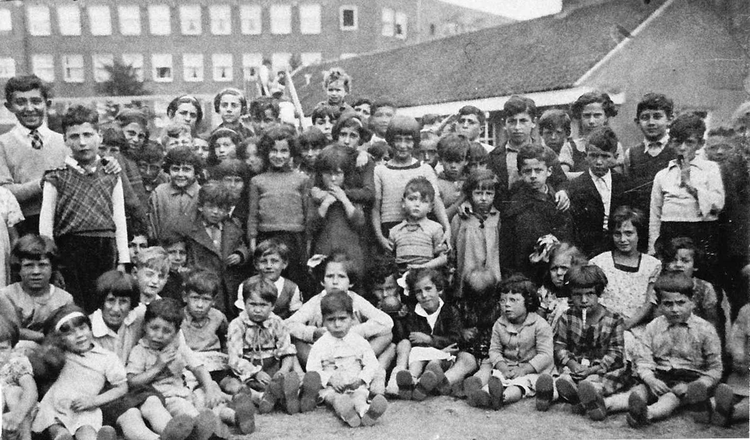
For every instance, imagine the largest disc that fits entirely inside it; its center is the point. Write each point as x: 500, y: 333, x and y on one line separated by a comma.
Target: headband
x: 70, y: 316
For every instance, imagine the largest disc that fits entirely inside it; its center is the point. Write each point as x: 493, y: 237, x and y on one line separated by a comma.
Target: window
x: 309, y: 19
x: 193, y: 67
x: 101, y: 61
x: 7, y: 67
x: 250, y: 19
x: 388, y: 22
x: 345, y: 55
x: 162, y: 65
x: 251, y: 63
x: 348, y: 19
x: 134, y: 60
x: 43, y: 66
x: 69, y: 19
x: 72, y: 68
x: 130, y: 20
x: 223, y: 65
x: 159, y: 20
x: 190, y: 19
x: 101, y: 22
x: 401, y: 21
x: 39, y: 23
x: 6, y: 20
x: 280, y: 61
x: 281, y: 19
x: 309, y: 58
x: 221, y: 19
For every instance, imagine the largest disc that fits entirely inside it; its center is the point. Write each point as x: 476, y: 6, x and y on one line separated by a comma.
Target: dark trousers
x: 82, y: 260
x: 705, y: 235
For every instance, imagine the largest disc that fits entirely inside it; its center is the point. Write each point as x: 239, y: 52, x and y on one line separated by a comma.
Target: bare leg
x: 86, y: 433
x: 156, y: 414
x: 464, y: 366
x: 512, y: 394
x: 133, y: 427
x: 388, y: 356
x: 303, y: 351
x: 416, y: 368
x: 663, y: 407
x: 380, y: 343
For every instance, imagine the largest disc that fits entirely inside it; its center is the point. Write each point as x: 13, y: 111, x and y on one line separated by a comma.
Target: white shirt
x: 604, y: 187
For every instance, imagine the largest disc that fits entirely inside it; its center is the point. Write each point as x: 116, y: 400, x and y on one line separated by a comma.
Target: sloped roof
x: 548, y: 53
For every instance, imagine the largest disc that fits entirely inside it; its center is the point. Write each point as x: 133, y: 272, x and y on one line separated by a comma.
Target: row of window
x: 394, y: 23
x: 162, y: 66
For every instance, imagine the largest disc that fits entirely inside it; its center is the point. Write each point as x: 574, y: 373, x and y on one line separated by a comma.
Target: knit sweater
x: 278, y: 202
x: 389, y: 187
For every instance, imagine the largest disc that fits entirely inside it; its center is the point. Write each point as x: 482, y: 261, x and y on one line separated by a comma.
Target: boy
x: 176, y: 249
x: 453, y: 158
x: 177, y: 135
x: 205, y: 327
x: 428, y: 148
x: 173, y: 205
x: 150, y: 161
x: 160, y: 359
x: 596, y: 193
x: 643, y: 161
x: 470, y: 124
x: 346, y: 364
x: 271, y: 258
x: 136, y: 243
x: 731, y: 399
x: 417, y: 240
x: 531, y: 212
x: 682, y: 360
x: 382, y: 113
x: 83, y: 209
x: 554, y: 128
x: 688, y: 194
x: 231, y: 105
x: 363, y: 107
x: 337, y: 85
x: 217, y: 243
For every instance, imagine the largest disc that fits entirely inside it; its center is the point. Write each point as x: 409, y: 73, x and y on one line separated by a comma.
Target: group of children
x: 555, y: 268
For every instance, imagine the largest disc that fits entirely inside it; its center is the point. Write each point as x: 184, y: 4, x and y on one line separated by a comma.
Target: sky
x: 518, y: 9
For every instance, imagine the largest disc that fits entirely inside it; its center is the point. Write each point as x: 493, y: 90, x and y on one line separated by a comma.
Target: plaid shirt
x: 602, y: 343
x: 249, y: 343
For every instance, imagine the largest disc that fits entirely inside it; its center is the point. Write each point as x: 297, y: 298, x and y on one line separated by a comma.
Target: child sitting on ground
x: 19, y: 392
x: 589, y: 348
x: 346, y: 363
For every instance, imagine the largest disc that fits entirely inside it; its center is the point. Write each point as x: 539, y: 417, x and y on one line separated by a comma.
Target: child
x: 271, y: 257
x: 731, y: 399
x: 150, y: 271
x: 554, y: 128
x: 150, y: 161
x: 391, y: 179
x: 380, y: 151
x: 19, y: 392
x: 176, y: 249
x: 553, y: 299
x: 10, y: 215
x: 71, y: 407
x: 477, y: 158
x: 222, y: 145
x: 383, y: 111
x: 248, y: 152
x: 531, y: 213
x: 363, y: 108
x: 173, y: 205
x: 34, y: 300
x: 470, y: 124
x: 231, y: 105
x: 417, y: 240
x: 593, y: 110
x: 431, y: 327
x: 205, y: 327
x: 454, y: 150
x: 136, y: 242
x: 160, y: 359
x: 175, y: 135
x: 589, y: 348
x: 83, y: 209
x: 337, y: 85
x: 264, y: 112
x: 428, y: 148
x: 260, y: 348
x: 346, y: 363
x: 309, y: 144
x: 688, y: 195
x: 336, y: 222
x: 475, y: 229
x: 520, y: 349
x: 682, y: 361
x: 597, y: 192
x: 642, y: 162
x: 217, y: 243
x: 324, y: 117
x: 278, y: 200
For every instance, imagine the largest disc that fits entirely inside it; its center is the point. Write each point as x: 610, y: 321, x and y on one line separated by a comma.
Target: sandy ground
x: 443, y: 418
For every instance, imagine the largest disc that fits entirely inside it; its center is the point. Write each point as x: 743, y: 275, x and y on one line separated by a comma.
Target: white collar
x: 607, y: 178
x: 662, y: 141
x: 419, y: 310
x: 99, y: 328
x: 43, y: 130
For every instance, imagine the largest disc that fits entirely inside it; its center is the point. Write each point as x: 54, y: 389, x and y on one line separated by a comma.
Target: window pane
x: 130, y: 20
x: 69, y: 18
x: 281, y: 19
x: 43, y: 67
x: 250, y: 19
x: 190, y: 19
x: 100, y: 62
x: 401, y: 21
x: 6, y: 20
x: 134, y: 60
x: 193, y: 67
x: 348, y: 18
x: 162, y: 65
x: 251, y: 63
x: 101, y: 22
x: 7, y: 67
x: 223, y: 65
x: 309, y: 19
x: 221, y: 20
x: 38, y: 17
x: 388, y: 18
x: 72, y: 68
x: 159, y: 20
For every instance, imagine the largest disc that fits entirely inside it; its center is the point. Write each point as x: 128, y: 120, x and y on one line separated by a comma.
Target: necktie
x: 653, y: 148
x: 36, y: 140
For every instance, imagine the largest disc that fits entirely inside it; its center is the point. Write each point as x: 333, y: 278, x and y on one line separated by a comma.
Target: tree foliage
x: 123, y: 81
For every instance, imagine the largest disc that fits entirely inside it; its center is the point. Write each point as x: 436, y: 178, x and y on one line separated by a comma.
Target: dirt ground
x: 446, y: 418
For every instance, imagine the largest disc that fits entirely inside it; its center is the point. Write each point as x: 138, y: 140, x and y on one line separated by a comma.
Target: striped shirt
x: 416, y: 243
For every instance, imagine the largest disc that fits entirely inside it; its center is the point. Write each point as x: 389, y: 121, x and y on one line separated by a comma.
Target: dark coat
x: 447, y: 328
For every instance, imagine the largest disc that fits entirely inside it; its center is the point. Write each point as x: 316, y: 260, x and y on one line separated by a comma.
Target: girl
x: 552, y: 298
x: 324, y: 116
x: 71, y: 406
x: 520, y: 349
x: 235, y: 175
x: 11, y: 214
x: 278, y: 200
x: 631, y: 275
x: 309, y: 144
x: 186, y: 110
x: 593, y: 110
x: 231, y: 105
x: 391, y: 179
x: 19, y: 392
x: 248, y: 152
x: 222, y: 145
x: 474, y: 230
x: 335, y: 221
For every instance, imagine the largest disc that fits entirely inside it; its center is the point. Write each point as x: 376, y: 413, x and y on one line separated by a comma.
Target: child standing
x: 346, y: 364
x: 150, y: 161
x: 19, y: 392
x: 83, y: 209
x: 71, y: 407
x: 474, y: 231
x: 592, y: 110
x: 222, y: 145
x: 173, y: 205
x: 10, y: 215
x: 554, y: 129
x: 231, y: 105
x: 310, y: 144
x: 278, y: 200
x: 454, y: 150
x: 176, y: 249
x: 150, y: 271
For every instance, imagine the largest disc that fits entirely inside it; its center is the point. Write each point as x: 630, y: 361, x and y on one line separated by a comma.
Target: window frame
x: 36, y: 28
x: 388, y: 19
x: 6, y: 18
x: 162, y: 56
x: 70, y: 25
x: 105, y: 30
x: 6, y: 62
x: 152, y: 24
x: 188, y: 16
x: 135, y: 60
x: 216, y: 61
x: 200, y: 68
x: 400, y: 16
x: 304, y: 24
x: 287, y: 30
x: 355, y: 16
x: 215, y: 11
x: 124, y: 18
x: 247, y: 58
x: 34, y: 66
x: 248, y: 13
x: 98, y: 65
x: 67, y: 68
